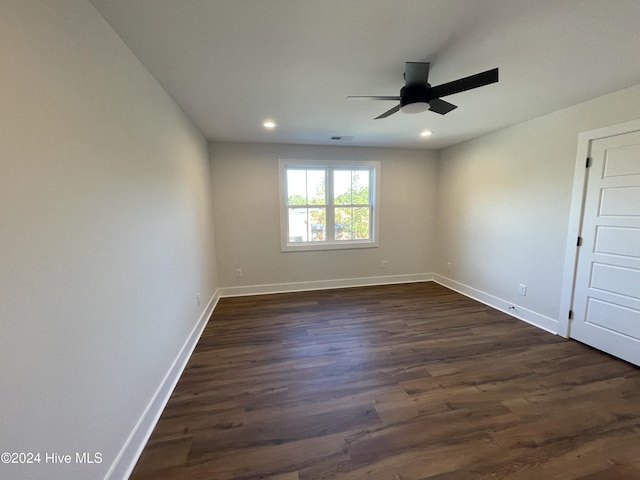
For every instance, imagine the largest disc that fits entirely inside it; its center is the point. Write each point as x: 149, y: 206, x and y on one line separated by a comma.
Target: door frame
x: 576, y: 214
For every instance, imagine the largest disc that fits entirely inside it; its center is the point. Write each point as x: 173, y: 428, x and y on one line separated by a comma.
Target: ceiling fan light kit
x: 418, y: 95
x: 416, y: 107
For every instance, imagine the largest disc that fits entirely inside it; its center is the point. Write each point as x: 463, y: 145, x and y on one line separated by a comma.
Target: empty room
x: 319, y: 239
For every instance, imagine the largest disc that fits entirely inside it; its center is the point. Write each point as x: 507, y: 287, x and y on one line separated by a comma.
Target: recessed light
x: 426, y: 133
x: 269, y: 124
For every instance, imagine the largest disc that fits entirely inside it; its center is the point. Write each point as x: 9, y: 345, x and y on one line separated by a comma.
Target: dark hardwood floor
x: 396, y: 382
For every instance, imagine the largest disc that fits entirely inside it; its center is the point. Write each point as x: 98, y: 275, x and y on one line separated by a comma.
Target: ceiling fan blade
x: 389, y: 112
x: 416, y: 73
x: 464, y: 84
x: 440, y: 106
x: 364, y: 97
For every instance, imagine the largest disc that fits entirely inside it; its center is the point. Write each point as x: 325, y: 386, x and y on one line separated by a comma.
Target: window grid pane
x: 352, y: 223
x: 317, y: 224
x: 296, y: 187
x: 342, y: 187
x: 360, y: 190
x: 316, y: 187
x: 298, y: 225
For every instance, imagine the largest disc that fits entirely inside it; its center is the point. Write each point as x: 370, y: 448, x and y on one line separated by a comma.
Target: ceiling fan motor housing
x: 410, y: 94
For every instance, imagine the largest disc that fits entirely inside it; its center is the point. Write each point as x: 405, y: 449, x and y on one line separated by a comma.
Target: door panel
x: 620, y: 202
x: 614, y: 279
x: 622, y: 161
x: 612, y: 316
x: 607, y: 289
x: 621, y: 241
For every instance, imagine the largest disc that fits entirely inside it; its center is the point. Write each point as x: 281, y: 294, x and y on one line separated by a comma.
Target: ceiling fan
x: 418, y: 95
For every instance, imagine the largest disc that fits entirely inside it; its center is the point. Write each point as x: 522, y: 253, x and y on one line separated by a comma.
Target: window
x: 328, y: 205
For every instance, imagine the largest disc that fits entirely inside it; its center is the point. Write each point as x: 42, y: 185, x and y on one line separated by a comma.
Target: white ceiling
x: 231, y: 64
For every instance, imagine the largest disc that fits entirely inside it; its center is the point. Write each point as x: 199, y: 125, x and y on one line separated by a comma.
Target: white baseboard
x: 546, y: 323
x: 323, y: 284
x: 132, y: 449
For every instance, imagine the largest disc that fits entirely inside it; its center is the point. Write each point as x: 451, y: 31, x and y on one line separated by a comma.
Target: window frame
x: 329, y: 167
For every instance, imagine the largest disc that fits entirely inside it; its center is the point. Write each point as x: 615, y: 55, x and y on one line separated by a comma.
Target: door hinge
x: 588, y: 164
x: 570, y: 314
x: 579, y: 243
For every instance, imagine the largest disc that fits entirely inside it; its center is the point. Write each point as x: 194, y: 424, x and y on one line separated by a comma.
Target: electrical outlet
x: 198, y: 298
x: 383, y: 264
x: 522, y: 290
x: 449, y: 266
x: 238, y: 273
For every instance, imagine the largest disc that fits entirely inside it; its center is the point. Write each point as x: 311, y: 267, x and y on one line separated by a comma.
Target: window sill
x: 312, y: 247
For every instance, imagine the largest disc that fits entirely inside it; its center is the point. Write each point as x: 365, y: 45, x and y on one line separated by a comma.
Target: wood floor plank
x: 396, y: 382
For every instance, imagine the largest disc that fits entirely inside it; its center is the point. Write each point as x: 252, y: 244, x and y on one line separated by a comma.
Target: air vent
x: 342, y: 138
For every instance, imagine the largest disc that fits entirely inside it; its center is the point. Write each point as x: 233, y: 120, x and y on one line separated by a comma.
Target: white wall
x: 504, y: 200
x: 247, y: 216
x: 105, y: 236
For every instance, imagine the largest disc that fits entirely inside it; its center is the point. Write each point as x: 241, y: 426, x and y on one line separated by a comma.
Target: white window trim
x: 286, y: 246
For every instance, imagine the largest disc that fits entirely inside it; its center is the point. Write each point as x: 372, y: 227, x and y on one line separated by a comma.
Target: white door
x: 606, y: 307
